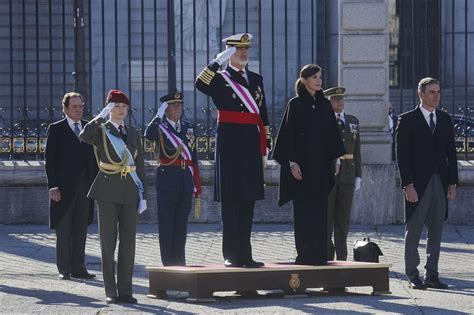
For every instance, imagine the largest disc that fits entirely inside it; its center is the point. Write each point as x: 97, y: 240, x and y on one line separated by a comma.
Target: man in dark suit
x: 392, y: 123
x: 177, y: 176
x: 426, y: 157
x: 241, y: 141
x: 70, y: 168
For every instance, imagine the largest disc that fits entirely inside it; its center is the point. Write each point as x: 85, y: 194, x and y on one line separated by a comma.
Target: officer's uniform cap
x: 334, y: 91
x: 241, y: 40
x: 172, y: 98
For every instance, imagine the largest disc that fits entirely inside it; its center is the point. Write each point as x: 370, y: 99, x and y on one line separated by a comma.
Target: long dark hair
x: 305, y: 72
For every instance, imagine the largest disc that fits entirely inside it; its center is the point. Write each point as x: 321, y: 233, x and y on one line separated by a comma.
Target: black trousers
x: 310, y: 222
x: 237, y: 219
x: 71, y: 232
x: 173, y: 211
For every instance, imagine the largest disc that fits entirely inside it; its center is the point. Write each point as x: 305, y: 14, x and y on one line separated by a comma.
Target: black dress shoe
x: 254, y: 264
x: 83, y: 275
x: 417, y: 284
x: 335, y: 290
x: 64, y: 276
x: 228, y: 263
x: 128, y: 299
x: 435, y: 283
x: 111, y: 300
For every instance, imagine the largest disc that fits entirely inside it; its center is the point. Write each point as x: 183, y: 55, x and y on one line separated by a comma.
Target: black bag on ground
x: 366, y: 251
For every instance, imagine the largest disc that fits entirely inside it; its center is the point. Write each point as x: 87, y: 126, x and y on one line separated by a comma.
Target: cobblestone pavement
x: 28, y: 282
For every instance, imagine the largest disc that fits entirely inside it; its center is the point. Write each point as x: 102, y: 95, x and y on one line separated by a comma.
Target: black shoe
x: 128, y: 299
x: 83, y: 275
x: 417, y: 284
x: 111, y: 300
x: 228, y: 263
x: 64, y: 276
x: 435, y: 283
x: 254, y: 264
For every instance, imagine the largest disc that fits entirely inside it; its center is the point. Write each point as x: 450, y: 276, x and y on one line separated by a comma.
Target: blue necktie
x: 76, y: 129
x: 432, y: 123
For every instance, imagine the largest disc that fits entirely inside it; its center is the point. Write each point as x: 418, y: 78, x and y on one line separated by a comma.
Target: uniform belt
x: 178, y: 162
x: 347, y: 157
x: 224, y: 116
x: 123, y: 168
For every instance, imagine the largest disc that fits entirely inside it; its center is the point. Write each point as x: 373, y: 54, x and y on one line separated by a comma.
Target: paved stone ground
x: 28, y: 274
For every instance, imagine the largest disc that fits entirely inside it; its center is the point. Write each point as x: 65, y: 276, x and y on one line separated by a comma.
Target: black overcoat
x: 238, y: 161
x: 309, y: 136
x: 421, y: 153
x: 65, y: 155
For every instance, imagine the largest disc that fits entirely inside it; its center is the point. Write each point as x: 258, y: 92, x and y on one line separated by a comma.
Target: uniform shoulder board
x: 187, y: 123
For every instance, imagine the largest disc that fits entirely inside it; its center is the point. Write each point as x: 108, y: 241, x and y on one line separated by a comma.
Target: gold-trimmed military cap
x: 334, y: 91
x: 241, y: 40
x: 174, y: 97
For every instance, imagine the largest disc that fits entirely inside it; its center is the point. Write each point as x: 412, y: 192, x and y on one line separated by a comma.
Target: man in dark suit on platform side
x: 70, y: 169
x: 426, y: 157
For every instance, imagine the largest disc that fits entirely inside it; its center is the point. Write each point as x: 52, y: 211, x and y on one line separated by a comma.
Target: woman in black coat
x: 307, y: 146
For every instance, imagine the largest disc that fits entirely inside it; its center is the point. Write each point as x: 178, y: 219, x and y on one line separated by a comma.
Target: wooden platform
x: 202, y: 281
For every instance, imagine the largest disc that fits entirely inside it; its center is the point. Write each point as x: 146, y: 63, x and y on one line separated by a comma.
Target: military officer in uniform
x: 177, y: 176
x: 120, y: 191
x: 347, y: 180
x: 242, y: 139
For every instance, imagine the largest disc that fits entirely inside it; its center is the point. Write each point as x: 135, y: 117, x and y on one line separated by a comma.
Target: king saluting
x: 242, y: 139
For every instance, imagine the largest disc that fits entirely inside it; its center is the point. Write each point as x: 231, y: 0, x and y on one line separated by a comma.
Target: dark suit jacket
x: 420, y: 153
x: 238, y: 161
x: 65, y: 158
x: 113, y: 188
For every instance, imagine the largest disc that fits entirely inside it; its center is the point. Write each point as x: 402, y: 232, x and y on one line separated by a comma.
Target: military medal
x: 314, y: 107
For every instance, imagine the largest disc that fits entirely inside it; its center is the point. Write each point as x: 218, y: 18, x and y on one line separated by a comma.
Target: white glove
x: 161, y: 110
x: 357, y: 182
x: 142, y: 206
x: 225, y: 55
x: 106, y: 110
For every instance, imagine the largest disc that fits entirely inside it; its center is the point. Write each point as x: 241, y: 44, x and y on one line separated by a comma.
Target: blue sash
x: 120, y: 148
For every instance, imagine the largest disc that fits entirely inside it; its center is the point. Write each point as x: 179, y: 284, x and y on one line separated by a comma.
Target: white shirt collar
x: 342, y: 115
x: 426, y: 113
x: 117, y: 125
x: 172, y: 123
x: 71, y: 123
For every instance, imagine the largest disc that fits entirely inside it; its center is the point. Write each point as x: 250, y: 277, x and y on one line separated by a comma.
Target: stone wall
x: 24, y: 197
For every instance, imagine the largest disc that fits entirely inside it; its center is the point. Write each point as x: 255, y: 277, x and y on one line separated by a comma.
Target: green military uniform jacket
x: 350, y: 168
x: 115, y: 188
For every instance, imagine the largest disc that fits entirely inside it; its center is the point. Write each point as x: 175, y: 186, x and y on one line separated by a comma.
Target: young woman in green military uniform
x: 120, y: 191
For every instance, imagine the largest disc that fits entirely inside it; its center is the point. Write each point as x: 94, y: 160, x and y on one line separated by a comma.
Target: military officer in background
x: 177, y: 176
x: 242, y: 139
x: 348, y: 178
x: 120, y: 191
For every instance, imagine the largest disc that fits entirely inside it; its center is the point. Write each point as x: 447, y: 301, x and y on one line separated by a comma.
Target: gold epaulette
x: 206, y: 76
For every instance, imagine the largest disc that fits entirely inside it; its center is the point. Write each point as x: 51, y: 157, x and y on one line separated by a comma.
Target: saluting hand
x: 55, y: 194
x: 410, y: 193
x: 296, y: 171
x: 225, y: 55
x: 162, y: 109
x: 106, y: 110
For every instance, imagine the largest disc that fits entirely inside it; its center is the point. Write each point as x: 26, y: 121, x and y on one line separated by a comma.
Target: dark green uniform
x: 340, y: 197
x: 118, y: 197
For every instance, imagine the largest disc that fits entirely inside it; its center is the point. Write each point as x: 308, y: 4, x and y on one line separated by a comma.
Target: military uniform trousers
x: 113, y: 216
x: 237, y: 219
x: 430, y: 213
x: 339, y: 218
x: 71, y: 232
x: 173, y: 211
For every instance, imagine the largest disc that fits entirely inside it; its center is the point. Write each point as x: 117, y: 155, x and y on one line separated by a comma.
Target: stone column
x: 364, y: 72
